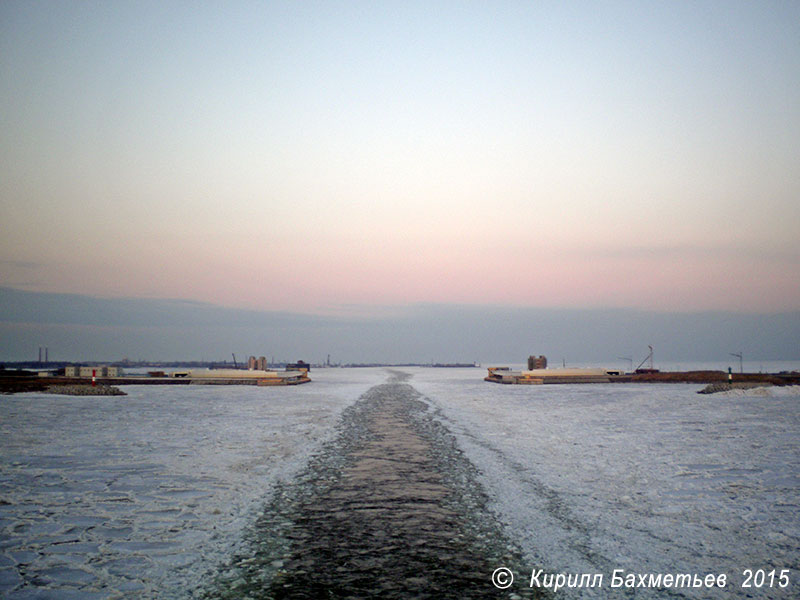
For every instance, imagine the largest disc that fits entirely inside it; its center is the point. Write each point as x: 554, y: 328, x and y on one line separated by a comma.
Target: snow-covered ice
x: 646, y: 478
x: 145, y: 495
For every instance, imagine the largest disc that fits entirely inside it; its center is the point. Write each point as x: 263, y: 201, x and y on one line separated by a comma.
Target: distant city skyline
x: 361, y: 159
x: 80, y: 328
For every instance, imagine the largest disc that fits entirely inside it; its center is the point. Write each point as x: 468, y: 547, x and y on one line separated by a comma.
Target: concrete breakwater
x: 389, y: 509
x: 85, y: 390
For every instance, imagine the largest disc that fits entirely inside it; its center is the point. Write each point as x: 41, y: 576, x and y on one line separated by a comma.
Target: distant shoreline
x: 12, y: 382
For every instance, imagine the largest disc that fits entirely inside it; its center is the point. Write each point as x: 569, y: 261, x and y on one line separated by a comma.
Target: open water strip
x: 389, y: 509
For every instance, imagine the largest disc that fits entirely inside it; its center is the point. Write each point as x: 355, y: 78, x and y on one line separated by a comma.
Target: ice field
x: 142, y: 495
x: 146, y: 495
x: 640, y: 477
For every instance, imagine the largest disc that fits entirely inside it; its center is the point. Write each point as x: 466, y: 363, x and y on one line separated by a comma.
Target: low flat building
x: 92, y: 372
x: 95, y: 371
x: 242, y: 377
x: 539, y: 376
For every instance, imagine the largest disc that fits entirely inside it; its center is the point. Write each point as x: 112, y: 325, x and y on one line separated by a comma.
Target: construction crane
x: 649, y: 357
x: 741, y: 360
x: 235, y: 366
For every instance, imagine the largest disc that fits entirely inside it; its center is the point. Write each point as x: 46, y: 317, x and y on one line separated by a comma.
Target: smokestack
x: 45, y: 355
x: 40, y: 354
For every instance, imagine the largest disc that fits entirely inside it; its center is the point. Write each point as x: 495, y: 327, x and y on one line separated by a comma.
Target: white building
x: 96, y: 371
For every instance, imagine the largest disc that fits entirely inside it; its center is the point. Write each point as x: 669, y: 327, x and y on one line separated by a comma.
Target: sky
x: 354, y: 159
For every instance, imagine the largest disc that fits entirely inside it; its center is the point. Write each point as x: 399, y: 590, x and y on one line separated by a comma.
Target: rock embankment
x: 713, y: 388
x: 19, y: 385
x: 85, y: 390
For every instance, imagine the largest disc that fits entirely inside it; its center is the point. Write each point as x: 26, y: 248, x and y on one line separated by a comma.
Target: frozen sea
x: 146, y: 495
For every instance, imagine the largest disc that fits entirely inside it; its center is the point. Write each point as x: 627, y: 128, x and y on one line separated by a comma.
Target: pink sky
x: 528, y: 156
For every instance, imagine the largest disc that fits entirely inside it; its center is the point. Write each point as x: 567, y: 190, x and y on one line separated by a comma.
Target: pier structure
x: 542, y: 376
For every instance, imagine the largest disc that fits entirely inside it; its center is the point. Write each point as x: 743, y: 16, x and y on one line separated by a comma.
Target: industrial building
x: 257, y: 364
x: 537, y: 362
x: 96, y: 371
